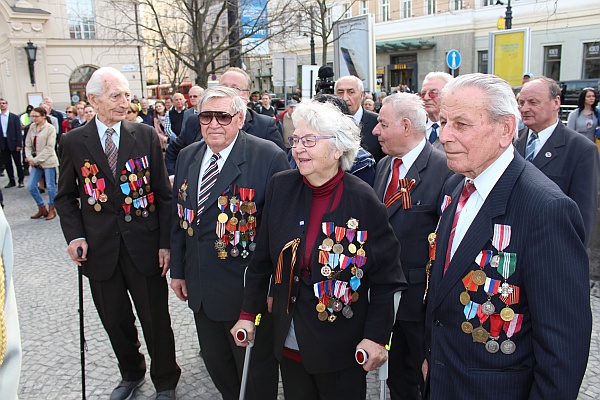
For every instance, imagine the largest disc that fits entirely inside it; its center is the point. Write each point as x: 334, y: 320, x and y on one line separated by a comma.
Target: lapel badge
x: 182, y: 192
x: 548, y: 154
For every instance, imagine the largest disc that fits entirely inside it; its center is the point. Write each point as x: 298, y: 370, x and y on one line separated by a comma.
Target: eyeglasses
x: 238, y: 89
x: 69, y: 112
x: 433, y: 94
x: 131, y: 112
x: 222, y: 118
x: 307, y: 141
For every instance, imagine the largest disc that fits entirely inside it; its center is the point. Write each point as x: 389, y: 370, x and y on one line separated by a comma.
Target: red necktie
x: 468, y: 189
x: 393, y: 185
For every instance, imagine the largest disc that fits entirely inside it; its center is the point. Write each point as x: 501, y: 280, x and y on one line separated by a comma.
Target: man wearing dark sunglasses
x: 219, y: 192
x: 430, y: 93
x: 254, y: 123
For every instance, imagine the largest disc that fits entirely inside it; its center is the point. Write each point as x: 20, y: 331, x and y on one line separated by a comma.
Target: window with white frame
x: 431, y: 7
x: 456, y: 5
x: 364, y: 7
x: 488, y: 2
x: 329, y: 18
x: 347, y: 10
x: 385, y: 10
x: 81, y: 19
x: 406, y: 8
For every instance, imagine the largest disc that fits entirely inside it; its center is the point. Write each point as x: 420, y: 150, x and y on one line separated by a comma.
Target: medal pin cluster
x: 234, y: 231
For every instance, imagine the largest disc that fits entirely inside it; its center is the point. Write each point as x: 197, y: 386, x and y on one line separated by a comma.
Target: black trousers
x: 8, y: 157
x: 405, y: 379
x: 298, y: 384
x: 225, y: 361
x: 150, y: 296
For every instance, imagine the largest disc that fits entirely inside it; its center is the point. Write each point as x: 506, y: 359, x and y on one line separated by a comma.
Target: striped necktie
x: 111, y: 151
x: 530, y: 151
x: 208, y: 181
x: 468, y: 189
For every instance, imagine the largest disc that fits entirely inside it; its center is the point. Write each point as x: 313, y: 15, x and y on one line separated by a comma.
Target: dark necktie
x: 530, y: 151
x: 433, y: 135
x: 468, y: 189
x: 111, y: 151
x: 208, y: 181
x: 393, y: 185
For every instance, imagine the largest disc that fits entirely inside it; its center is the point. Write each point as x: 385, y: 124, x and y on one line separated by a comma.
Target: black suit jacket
x: 413, y: 225
x: 14, y: 137
x: 255, y: 124
x: 104, y: 230
x: 552, y: 273
x: 367, y: 140
x: 215, y: 284
x: 571, y: 161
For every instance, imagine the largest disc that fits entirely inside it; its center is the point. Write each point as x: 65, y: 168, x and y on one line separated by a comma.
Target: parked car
x: 570, y: 94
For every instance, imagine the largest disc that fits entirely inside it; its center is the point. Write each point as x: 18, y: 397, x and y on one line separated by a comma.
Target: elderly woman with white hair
x: 326, y: 239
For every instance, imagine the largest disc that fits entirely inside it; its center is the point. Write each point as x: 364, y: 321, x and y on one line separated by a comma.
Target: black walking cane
x: 81, y: 331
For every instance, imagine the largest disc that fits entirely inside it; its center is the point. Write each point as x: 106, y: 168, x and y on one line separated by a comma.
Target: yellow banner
x: 509, y: 55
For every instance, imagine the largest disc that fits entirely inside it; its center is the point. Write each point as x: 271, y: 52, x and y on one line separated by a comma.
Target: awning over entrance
x: 403, y: 45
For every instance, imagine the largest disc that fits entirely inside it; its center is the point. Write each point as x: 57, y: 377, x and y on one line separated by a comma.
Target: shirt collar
x: 223, y: 153
x: 485, y: 182
x: 358, y: 116
x: 409, y: 158
x: 102, y: 128
x: 544, y: 134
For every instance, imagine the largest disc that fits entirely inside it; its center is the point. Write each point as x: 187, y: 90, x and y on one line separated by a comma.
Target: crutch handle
x: 79, y: 252
x: 241, y: 335
x: 361, y: 356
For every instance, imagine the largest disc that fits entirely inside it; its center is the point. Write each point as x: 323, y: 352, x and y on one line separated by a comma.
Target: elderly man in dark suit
x: 352, y: 91
x: 114, y: 202
x: 563, y: 155
x: 255, y: 124
x: 11, y: 143
x: 219, y: 192
x: 431, y: 92
x: 508, y: 309
x: 409, y: 181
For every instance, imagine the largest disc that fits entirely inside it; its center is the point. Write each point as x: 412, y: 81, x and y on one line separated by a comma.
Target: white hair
x: 219, y: 92
x: 327, y: 119
x: 446, y: 77
x: 408, y: 105
x: 359, y: 84
x: 96, y: 84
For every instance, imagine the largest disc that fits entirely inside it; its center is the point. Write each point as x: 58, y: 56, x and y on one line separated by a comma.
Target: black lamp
x: 508, y: 18
x: 31, y: 52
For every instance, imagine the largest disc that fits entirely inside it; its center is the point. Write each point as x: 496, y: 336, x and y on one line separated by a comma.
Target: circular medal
x: 147, y: 174
x: 352, y: 223
x: 250, y: 205
x: 465, y: 298
x: 480, y: 335
x: 347, y: 312
x: 326, y: 270
x: 353, y: 270
x: 132, y: 177
x: 190, y: 231
x: 148, y: 188
x: 128, y: 218
x: 123, y: 178
x: 488, y: 308
x: 145, y: 213
x: 495, y: 261
x: 235, y: 252
x: 251, y: 219
x: 328, y: 242
x: 230, y: 236
x: 361, y: 252
x: 87, y: 180
x: 138, y: 212
x: 94, y: 179
x: 184, y: 224
x: 320, y: 307
x: 152, y: 208
x: 135, y: 195
x: 97, y: 207
x: 479, y: 277
x: 252, y: 246
x: 492, y: 346
x: 140, y: 174
x: 243, y: 222
x: 467, y: 327
x: 508, y: 346
x: 181, y: 223
x: 91, y: 201
x: 222, y: 218
x: 103, y: 197
x: 128, y: 200
x: 244, y: 207
x: 338, y: 248
x: 355, y: 297
x: 233, y: 221
x: 332, y: 318
x: 87, y: 164
x: 507, y: 314
x: 337, y: 306
x: 322, y: 316
x: 222, y: 200
x: 359, y: 273
x: 141, y: 191
x: 352, y: 248
x: 432, y: 237
x: 330, y: 302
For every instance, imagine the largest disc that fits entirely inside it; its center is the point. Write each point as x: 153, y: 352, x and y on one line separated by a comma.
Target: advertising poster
x: 354, y: 45
x: 509, y: 50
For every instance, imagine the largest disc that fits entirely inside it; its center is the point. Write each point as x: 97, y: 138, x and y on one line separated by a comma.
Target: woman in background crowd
x: 68, y: 122
x: 160, y: 112
x: 132, y: 114
x: 89, y: 113
x: 584, y: 119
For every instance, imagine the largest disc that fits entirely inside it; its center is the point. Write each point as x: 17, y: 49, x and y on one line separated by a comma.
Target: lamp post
x: 508, y: 17
x: 31, y: 52
x: 312, y: 37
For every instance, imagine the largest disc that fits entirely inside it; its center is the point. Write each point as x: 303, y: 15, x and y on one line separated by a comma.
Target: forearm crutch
x: 241, y: 335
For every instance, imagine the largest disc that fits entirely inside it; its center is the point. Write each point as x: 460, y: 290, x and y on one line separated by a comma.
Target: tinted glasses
x: 222, y: 118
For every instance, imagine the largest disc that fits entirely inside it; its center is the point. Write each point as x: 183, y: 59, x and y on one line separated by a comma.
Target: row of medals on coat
x: 134, y: 182
x: 335, y: 296
x: 504, y: 263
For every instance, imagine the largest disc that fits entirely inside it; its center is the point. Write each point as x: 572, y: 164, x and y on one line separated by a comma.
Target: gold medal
x: 222, y: 218
x: 507, y: 314
x: 328, y: 242
x: 128, y: 200
x: 250, y: 205
x: 251, y: 219
x: 184, y: 224
x: 222, y: 200
x: 323, y: 316
x: 320, y: 307
x: 361, y: 252
x: 138, y: 212
x: 87, y: 180
x: 147, y: 174
x: 190, y: 231
x: 181, y: 223
x: 330, y: 302
x: 103, y: 197
x: 135, y: 195
x: 479, y: 277
x: 338, y: 248
x: 465, y: 298
x: 432, y: 237
x: 467, y: 327
x: 132, y: 177
x: 222, y: 254
x: 352, y: 248
x: 152, y: 208
x: 480, y: 335
x: 233, y: 221
x: 87, y: 164
x: 244, y: 207
x: 97, y: 207
x: 355, y: 297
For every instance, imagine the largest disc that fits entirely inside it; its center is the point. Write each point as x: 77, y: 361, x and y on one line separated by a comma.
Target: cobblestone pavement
x: 46, y: 288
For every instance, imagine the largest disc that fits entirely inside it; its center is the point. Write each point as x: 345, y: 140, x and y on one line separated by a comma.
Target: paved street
x: 46, y: 288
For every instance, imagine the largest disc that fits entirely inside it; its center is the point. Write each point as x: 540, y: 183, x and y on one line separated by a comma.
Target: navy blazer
x: 571, y: 161
x: 551, y: 271
x: 214, y: 284
x: 367, y: 140
x: 14, y: 137
x: 413, y: 225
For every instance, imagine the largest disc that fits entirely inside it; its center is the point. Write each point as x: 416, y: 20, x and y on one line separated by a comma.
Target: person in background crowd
x: 11, y: 144
x: 146, y: 114
x: 584, y: 119
x: 25, y: 122
x: 527, y: 76
x: 254, y: 102
x: 58, y: 115
x: 565, y: 156
x: 174, y: 117
x: 380, y: 96
x: 79, y: 119
x: 41, y: 156
x: 53, y: 119
x: 265, y: 108
x: 132, y: 114
x: 159, y: 123
x: 67, y: 123
x: 169, y: 103
x: 195, y: 93
x: 89, y: 113
x: 369, y: 105
x: 326, y: 304
x: 285, y: 118
x: 431, y: 91
x: 26, y: 116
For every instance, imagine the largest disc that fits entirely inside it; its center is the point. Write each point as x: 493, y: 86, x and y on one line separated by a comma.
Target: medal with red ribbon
x: 445, y: 203
x: 501, y: 237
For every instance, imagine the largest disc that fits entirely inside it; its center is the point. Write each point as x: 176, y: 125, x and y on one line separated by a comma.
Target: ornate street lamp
x: 508, y: 18
x: 31, y: 52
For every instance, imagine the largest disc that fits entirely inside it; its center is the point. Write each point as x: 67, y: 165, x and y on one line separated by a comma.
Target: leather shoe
x: 125, y: 389
x: 21, y: 185
x: 166, y: 395
x: 10, y: 184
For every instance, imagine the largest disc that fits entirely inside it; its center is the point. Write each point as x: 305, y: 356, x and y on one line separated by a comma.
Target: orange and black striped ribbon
x: 403, y: 193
